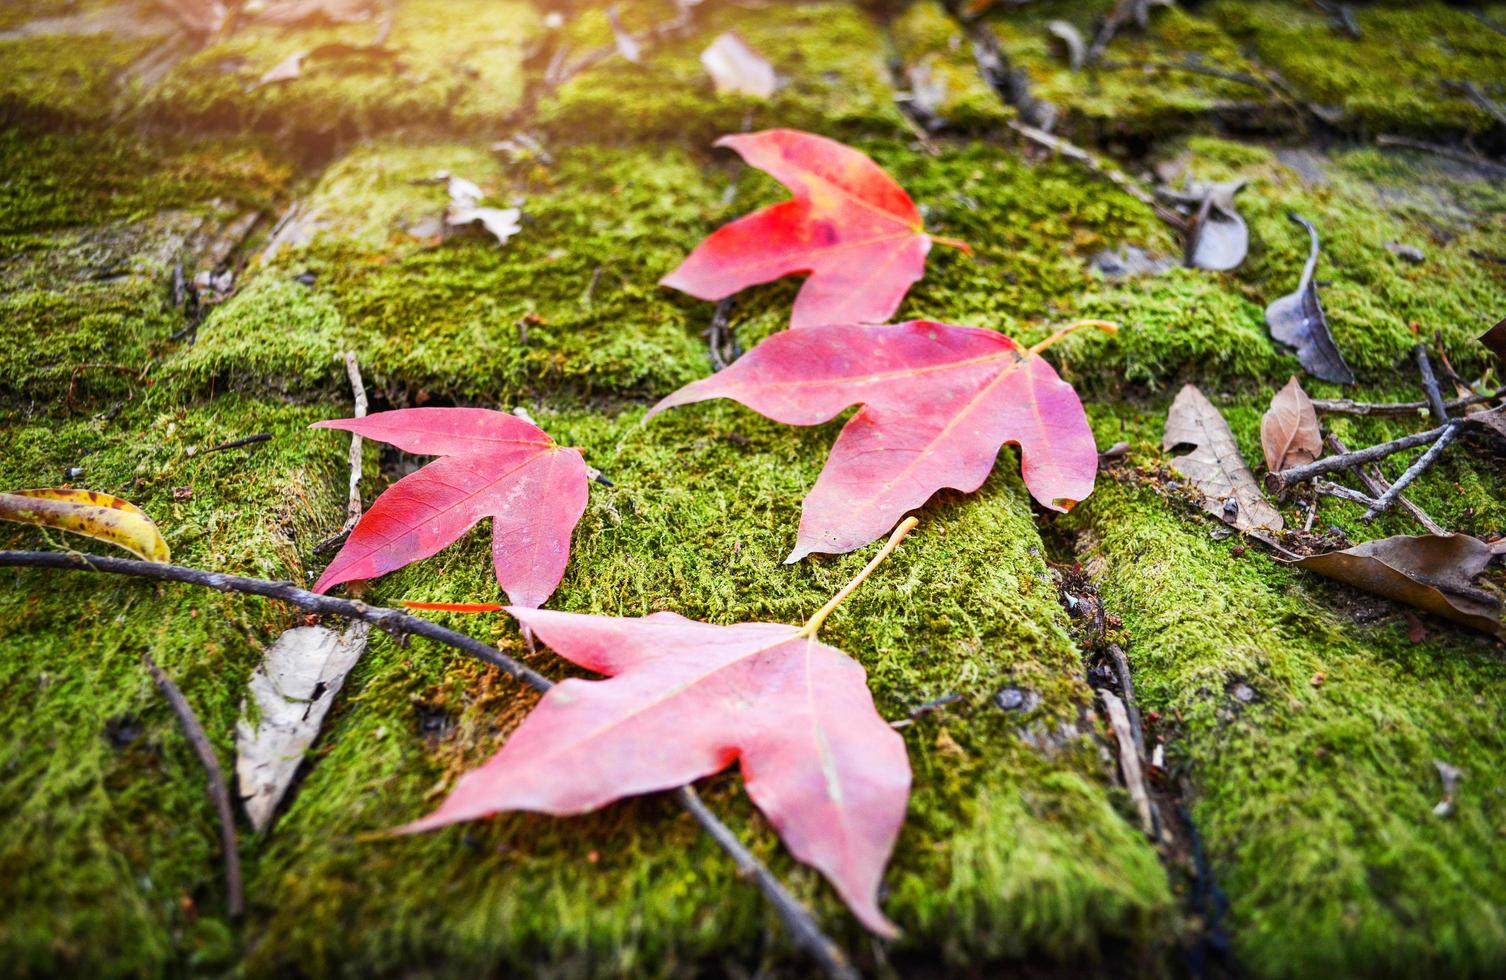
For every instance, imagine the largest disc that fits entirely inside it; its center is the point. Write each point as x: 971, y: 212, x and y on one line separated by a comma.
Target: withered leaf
x: 627, y: 45
x: 1298, y: 322
x: 1494, y: 340
x: 1072, y: 42
x: 465, y: 209
x: 1434, y: 572
x: 735, y: 67
x: 290, y: 12
x: 94, y: 515
x: 1289, y: 432
x: 1217, y: 237
x: 1229, y: 489
x: 293, y: 689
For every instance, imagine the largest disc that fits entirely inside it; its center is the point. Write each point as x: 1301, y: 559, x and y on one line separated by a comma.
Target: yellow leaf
x: 94, y: 515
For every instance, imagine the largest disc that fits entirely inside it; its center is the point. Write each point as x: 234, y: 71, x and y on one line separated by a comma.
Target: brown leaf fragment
x: 734, y: 66
x: 1493, y: 419
x: 285, y: 70
x: 93, y: 515
x: 1289, y: 432
x: 1297, y: 321
x: 1214, y: 464
x: 1494, y: 340
x: 1433, y: 572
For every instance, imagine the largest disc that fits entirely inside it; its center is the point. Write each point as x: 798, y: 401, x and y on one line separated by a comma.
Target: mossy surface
x: 1310, y: 743
x: 444, y: 64
x: 1314, y: 800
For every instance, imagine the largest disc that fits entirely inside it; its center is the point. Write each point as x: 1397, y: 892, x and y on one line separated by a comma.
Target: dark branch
x: 1328, y: 464
x: 803, y: 928
x: 235, y: 902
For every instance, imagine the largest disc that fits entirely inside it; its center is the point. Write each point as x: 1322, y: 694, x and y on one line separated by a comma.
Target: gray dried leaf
x: 465, y: 209
x: 1214, y: 465
x: 1289, y: 432
x: 735, y: 67
x: 285, y: 70
x: 293, y: 690
x: 1433, y: 572
x: 1217, y: 237
x: 1298, y: 322
x: 1072, y: 42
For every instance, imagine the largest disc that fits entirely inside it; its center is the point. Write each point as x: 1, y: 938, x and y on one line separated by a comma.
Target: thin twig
x: 1482, y: 101
x: 1129, y: 759
x: 1446, y: 152
x: 1377, y: 484
x: 358, y: 391
x: 1072, y: 151
x: 235, y: 902
x: 1344, y: 406
x: 1430, y: 384
x: 1342, y: 493
x: 797, y: 919
x: 1447, y: 435
x: 1127, y: 685
x: 1328, y: 464
x: 238, y: 443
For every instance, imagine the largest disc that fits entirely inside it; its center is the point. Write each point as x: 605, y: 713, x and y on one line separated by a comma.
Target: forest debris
x: 1297, y: 321
x: 1214, y: 465
x: 465, y: 208
x: 1430, y: 383
x: 235, y: 903
x: 1407, y: 253
x: 734, y: 66
x: 1376, y: 483
x: 1494, y: 340
x: 1299, y: 474
x: 628, y: 46
x: 203, y: 17
x: 1072, y: 43
x: 291, y: 67
x: 1383, y: 503
x: 92, y: 515
x: 1289, y: 433
x: 1217, y: 237
x: 1124, y: 11
x: 1129, y: 759
x: 1451, y: 777
x: 293, y: 689
x: 309, y: 12
x: 1433, y: 572
x: 1128, y: 262
x: 1346, y: 406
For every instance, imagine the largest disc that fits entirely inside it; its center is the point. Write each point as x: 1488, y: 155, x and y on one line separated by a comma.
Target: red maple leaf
x: 938, y: 403
x: 492, y: 465
x: 849, y: 225
x: 687, y: 699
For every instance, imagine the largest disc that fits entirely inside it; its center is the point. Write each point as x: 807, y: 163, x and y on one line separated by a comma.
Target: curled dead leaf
x: 1289, y: 432
x: 1433, y: 572
x: 1297, y: 321
x: 1494, y: 340
x: 1214, y: 465
x: 1217, y: 237
x: 734, y: 66
x: 94, y: 515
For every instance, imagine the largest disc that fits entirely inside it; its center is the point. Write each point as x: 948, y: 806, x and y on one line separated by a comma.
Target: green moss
x: 830, y: 53
x: 1418, y: 49
x: 64, y: 77
x: 937, y: 54
x: 111, y: 859
x: 1315, y: 797
x: 454, y: 64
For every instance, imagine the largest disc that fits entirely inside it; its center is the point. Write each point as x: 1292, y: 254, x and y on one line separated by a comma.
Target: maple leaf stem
x: 956, y: 243
x: 813, y: 625
x: 1104, y: 325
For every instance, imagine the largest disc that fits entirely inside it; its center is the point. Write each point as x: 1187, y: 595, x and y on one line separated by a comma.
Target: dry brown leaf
x: 93, y: 515
x: 1289, y: 432
x: 1214, y: 465
x: 1434, y: 572
x: 1494, y: 340
x: 1297, y: 320
x: 735, y: 67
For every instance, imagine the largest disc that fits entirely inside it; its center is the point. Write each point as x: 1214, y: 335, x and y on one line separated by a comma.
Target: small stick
x: 1448, y: 153
x: 1328, y: 464
x: 1430, y: 383
x: 1122, y: 668
x: 1342, y: 493
x: 1312, y: 515
x: 1129, y: 759
x: 1377, y: 484
x: 796, y: 918
x: 235, y: 903
x: 358, y: 390
x: 1344, y: 406
x: 1383, y: 503
x: 238, y: 443
x: 1072, y: 151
